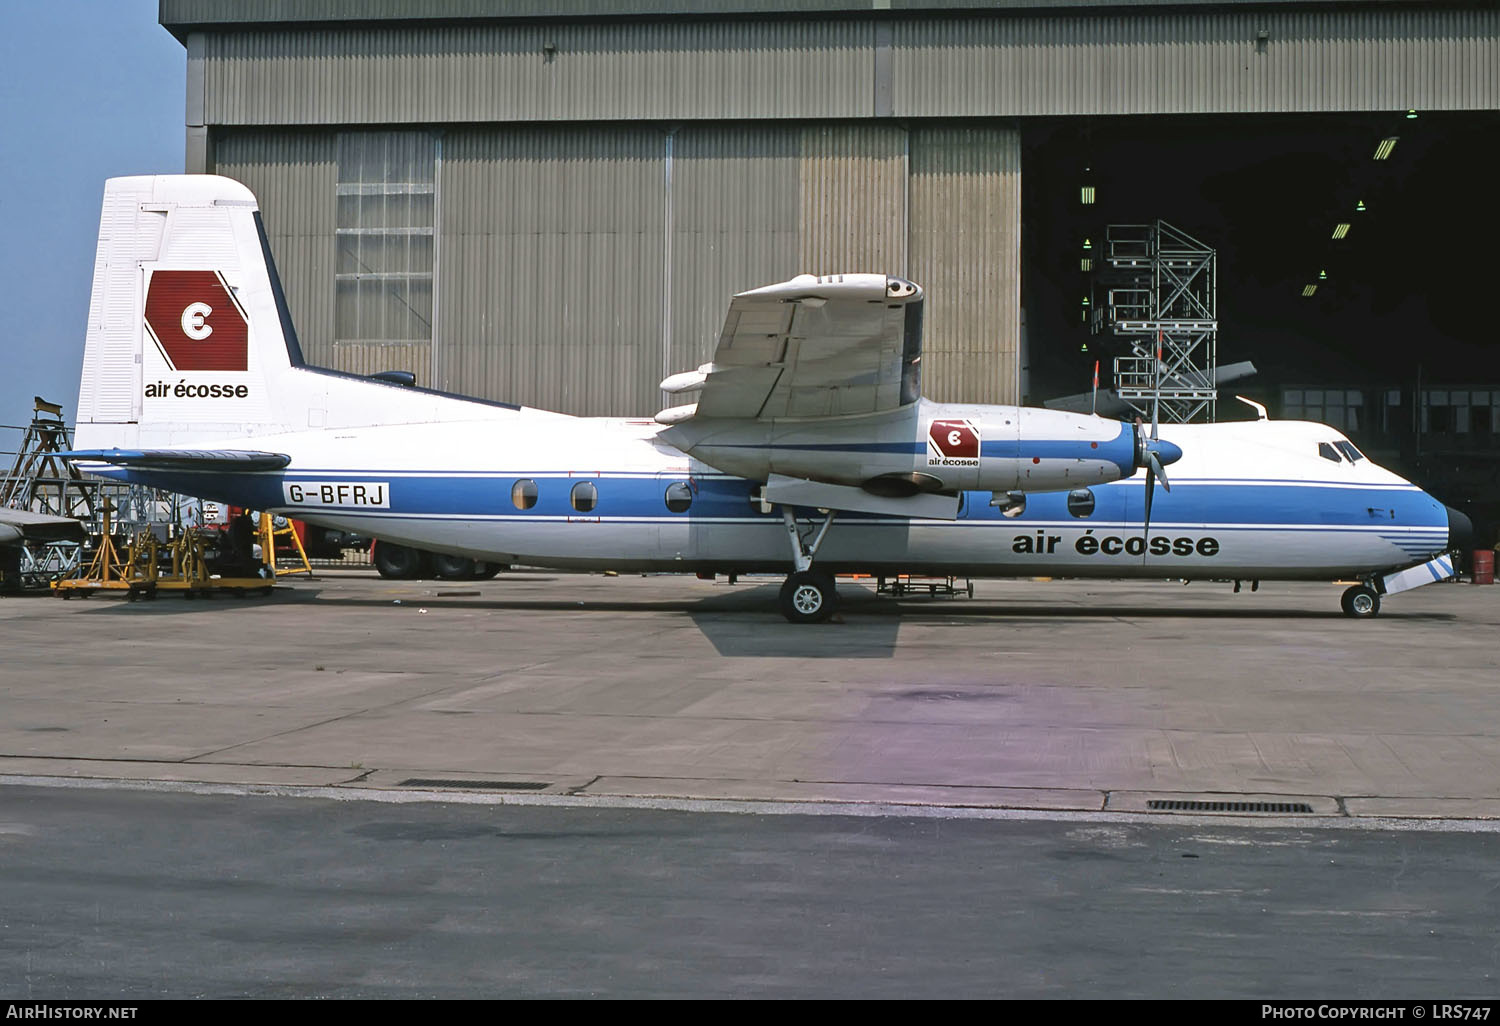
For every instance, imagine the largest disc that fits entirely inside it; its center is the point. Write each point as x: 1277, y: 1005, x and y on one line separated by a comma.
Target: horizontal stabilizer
x: 22, y: 525
x: 236, y: 460
x: 796, y: 491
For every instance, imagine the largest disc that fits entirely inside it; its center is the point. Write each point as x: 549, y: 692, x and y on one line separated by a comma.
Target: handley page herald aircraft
x: 809, y: 450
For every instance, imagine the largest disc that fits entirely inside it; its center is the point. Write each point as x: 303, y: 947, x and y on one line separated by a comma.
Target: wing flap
x: 796, y: 491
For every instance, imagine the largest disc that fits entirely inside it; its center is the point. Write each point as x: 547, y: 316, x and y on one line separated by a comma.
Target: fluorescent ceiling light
x: 1086, y: 264
x: 1086, y: 194
x: 1308, y: 290
x: 1386, y: 146
x: 1340, y: 230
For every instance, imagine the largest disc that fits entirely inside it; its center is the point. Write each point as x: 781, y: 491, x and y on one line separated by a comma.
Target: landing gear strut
x: 1361, y: 602
x: 808, y: 596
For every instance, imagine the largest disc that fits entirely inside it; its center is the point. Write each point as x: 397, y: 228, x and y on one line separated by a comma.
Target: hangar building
x: 549, y: 201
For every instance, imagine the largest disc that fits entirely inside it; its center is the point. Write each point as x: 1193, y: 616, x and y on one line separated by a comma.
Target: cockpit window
x: 1328, y: 452
x: 1348, y: 449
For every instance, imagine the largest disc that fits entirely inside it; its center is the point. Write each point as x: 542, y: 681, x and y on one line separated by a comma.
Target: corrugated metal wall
x: 735, y: 225
x: 550, y: 267
x: 293, y: 174
x: 479, y: 72
x: 1000, y: 65
x: 965, y: 251
x: 1126, y: 62
x: 554, y: 244
x: 852, y: 198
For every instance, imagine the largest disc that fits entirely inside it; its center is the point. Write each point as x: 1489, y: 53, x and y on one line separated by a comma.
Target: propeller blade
x: 1150, y: 487
x: 1161, y: 471
x: 1156, y: 389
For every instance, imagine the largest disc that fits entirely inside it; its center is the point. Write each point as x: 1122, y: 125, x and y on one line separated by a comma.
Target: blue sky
x: 89, y: 89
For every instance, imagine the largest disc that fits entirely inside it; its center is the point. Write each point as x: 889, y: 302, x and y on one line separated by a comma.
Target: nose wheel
x: 1361, y: 602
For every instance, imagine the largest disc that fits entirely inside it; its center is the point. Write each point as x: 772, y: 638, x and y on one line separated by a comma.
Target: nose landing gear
x: 1361, y: 602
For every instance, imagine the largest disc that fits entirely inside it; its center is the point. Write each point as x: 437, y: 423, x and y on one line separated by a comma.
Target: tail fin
x: 188, y: 334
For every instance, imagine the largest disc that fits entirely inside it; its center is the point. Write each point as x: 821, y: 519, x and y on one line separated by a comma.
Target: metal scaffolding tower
x: 1160, y: 295
x: 41, y: 481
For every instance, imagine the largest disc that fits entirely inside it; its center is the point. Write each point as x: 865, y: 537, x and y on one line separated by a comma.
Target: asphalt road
x: 121, y: 894
x: 323, y: 793
x: 1062, y: 695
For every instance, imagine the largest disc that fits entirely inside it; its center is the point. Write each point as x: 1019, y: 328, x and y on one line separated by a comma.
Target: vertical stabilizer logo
x: 196, y: 322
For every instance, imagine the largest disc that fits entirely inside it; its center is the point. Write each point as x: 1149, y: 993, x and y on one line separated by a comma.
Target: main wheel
x: 485, y: 571
x: 1361, y: 601
x: 398, y: 562
x: 808, y: 597
x: 452, y: 568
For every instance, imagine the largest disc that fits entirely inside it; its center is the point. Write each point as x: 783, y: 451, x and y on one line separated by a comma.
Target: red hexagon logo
x: 195, y: 319
x: 953, y: 439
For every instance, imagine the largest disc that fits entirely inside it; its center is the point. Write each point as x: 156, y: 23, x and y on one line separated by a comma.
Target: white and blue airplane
x: 809, y: 451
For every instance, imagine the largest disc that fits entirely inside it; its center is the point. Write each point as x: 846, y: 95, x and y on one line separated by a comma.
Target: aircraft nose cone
x: 1170, y: 453
x: 1460, y: 529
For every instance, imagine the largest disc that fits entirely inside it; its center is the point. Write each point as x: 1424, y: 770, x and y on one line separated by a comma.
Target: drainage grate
x: 488, y: 785
x: 1183, y: 805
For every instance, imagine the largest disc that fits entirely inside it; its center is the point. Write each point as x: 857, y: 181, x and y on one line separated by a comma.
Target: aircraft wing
x: 1109, y: 404
x: 22, y: 525
x: 231, y: 460
x: 811, y: 347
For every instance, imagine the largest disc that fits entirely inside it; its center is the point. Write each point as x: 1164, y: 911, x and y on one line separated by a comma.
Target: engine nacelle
x: 926, y: 447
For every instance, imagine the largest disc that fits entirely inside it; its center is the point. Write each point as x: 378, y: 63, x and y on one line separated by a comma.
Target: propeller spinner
x: 1153, y: 453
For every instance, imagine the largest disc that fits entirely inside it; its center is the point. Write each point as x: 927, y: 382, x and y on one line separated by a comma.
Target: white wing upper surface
x: 814, y: 347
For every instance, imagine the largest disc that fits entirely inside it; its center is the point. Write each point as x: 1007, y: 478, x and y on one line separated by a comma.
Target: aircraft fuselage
x: 1248, y: 500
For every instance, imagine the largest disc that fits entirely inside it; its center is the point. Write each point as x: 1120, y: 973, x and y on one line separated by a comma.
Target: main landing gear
x: 1361, y: 602
x: 808, y: 596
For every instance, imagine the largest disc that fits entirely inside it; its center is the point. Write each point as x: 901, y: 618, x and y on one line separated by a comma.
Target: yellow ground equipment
x: 269, y: 532
x: 144, y: 571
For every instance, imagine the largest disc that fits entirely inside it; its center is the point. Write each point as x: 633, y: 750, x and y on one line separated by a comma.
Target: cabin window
x: 1349, y: 451
x: 585, y: 496
x: 523, y: 493
x: 1328, y: 452
x: 1081, y: 502
x: 679, y: 496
